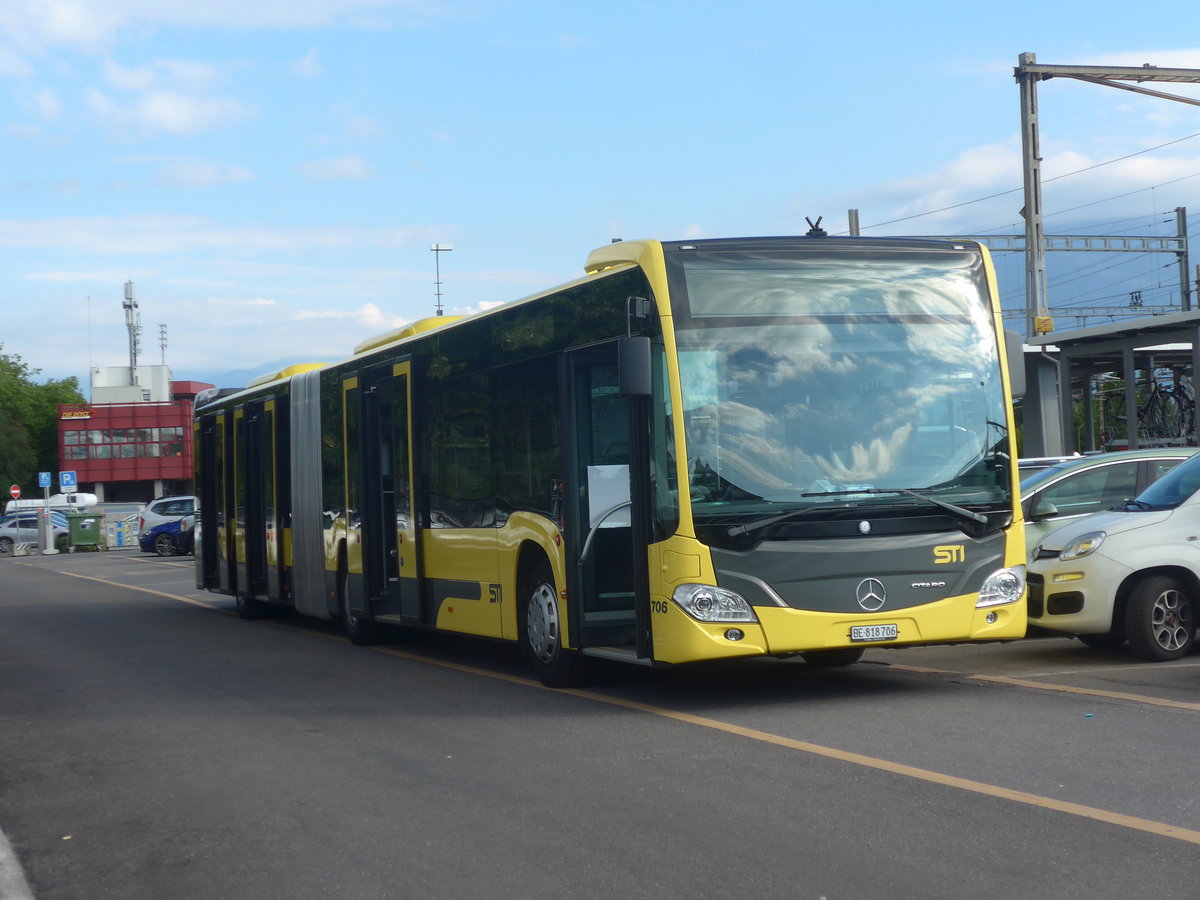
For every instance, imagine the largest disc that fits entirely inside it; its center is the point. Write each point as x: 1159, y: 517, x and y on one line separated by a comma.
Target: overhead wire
x: 1047, y: 181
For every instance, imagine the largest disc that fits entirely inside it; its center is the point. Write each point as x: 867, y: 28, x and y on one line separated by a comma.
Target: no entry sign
x: 15, y: 490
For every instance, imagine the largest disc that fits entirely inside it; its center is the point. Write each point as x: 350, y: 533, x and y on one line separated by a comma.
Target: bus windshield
x: 812, y: 377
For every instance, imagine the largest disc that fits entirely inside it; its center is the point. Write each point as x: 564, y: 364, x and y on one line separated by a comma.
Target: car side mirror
x: 1042, y: 509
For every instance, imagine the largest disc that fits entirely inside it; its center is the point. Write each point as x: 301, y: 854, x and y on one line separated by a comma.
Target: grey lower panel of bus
x: 308, y: 536
x: 825, y: 575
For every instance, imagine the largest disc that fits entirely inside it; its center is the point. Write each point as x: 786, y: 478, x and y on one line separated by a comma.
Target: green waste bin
x: 85, y: 530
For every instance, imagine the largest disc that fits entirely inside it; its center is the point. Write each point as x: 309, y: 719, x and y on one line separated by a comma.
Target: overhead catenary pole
x: 1037, y: 316
x: 1028, y: 72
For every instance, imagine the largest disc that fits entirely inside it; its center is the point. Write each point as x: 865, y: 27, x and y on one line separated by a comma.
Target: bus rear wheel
x: 361, y: 630
x: 250, y: 608
x: 540, y: 627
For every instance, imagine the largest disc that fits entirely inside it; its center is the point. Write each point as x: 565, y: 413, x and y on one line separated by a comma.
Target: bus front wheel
x: 540, y: 628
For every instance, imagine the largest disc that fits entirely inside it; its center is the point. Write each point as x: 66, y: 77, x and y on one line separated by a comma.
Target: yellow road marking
x: 1160, y: 829
x: 1088, y: 692
x: 145, y: 590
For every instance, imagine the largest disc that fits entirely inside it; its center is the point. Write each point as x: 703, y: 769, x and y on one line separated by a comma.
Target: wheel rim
x: 542, y: 624
x: 1171, y: 620
x: 164, y: 545
x: 5, y: 546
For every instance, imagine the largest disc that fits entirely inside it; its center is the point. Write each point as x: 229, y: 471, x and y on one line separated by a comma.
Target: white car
x: 1129, y: 574
x: 165, y: 509
x: 1082, y: 485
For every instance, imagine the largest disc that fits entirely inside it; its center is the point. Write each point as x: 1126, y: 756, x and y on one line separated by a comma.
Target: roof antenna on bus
x: 438, y: 250
x: 814, y: 228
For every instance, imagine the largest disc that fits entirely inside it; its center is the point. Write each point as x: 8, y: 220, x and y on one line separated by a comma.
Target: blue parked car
x: 172, y: 538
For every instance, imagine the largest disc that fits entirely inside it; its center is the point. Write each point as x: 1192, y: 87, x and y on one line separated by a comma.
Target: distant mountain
x: 235, y: 378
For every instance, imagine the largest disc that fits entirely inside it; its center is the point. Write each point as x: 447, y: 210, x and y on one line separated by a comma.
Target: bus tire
x: 362, y: 631
x: 249, y: 607
x: 539, y: 624
x: 829, y: 659
x: 1160, y: 619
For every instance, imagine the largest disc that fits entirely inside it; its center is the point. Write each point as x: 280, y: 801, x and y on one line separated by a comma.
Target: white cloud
x: 24, y: 131
x: 103, y: 276
x: 93, y: 24
x: 179, y: 114
x: 118, y: 76
x: 310, y: 66
x: 47, y: 103
x: 342, y: 168
x: 368, y: 314
x: 150, y: 235
x: 249, y: 301
x: 166, y: 111
x: 199, y: 174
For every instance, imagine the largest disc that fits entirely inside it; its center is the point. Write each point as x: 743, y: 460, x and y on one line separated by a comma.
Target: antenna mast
x: 438, y: 250
x: 133, y: 324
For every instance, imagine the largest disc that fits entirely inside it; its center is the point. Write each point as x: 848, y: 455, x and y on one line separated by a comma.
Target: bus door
x: 271, y: 497
x: 208, y: 557
x: 254, y: 484
x: 602, y: 512
x: 391, y: 562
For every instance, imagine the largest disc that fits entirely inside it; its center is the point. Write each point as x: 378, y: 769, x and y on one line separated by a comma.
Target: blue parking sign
x: 43, y: 479
x: 66, y: 481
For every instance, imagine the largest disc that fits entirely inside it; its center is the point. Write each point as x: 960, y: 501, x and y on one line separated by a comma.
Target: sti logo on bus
x: 949, y: 553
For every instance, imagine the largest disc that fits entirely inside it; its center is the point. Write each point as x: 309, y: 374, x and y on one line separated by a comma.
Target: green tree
x: 29, y: 421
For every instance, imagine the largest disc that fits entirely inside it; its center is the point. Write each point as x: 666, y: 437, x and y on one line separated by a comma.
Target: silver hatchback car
x: 22, y: 528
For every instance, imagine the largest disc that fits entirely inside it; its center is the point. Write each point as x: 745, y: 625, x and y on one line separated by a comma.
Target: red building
x: 132, y: 451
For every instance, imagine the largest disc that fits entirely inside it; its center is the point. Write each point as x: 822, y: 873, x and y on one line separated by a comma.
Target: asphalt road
x: 154, y: 745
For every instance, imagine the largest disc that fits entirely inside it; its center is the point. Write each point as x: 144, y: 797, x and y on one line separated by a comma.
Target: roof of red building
x: 187, y: 390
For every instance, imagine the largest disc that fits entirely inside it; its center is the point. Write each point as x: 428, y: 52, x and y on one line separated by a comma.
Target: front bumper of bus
x: 778, y: 631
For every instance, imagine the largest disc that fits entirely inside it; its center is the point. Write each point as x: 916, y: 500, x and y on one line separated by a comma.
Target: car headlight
x: 1084, y: 545
x: 712, y: 604
x: 1002, y: 586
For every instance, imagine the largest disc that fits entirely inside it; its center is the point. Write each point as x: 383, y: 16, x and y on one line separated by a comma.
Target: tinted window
x: 1094, y: 490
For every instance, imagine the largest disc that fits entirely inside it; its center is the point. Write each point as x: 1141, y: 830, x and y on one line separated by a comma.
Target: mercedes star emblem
x: 871, y: 594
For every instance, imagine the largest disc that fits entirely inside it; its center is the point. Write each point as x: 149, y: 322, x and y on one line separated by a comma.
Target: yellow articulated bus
x: 699, y: 450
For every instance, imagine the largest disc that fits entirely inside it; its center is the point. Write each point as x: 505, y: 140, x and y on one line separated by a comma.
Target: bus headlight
x: 1002, y: 586
x: 712, y: 604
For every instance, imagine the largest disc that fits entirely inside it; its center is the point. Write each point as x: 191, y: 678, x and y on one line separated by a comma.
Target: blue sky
x: 272, y: 173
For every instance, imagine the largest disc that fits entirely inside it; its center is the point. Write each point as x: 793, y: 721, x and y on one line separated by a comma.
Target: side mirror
x: 1013, y: 344
x: 633, y: 366
x: 1042, y: 509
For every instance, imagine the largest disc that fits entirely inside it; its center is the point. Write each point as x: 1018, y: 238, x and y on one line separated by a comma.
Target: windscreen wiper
x: 968, y: 514
x: 1133, y: 504
x: 735, y: 530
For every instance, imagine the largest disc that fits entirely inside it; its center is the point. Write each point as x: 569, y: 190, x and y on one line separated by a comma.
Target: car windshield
x: 1173, y: 488
x: 806, y: 380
